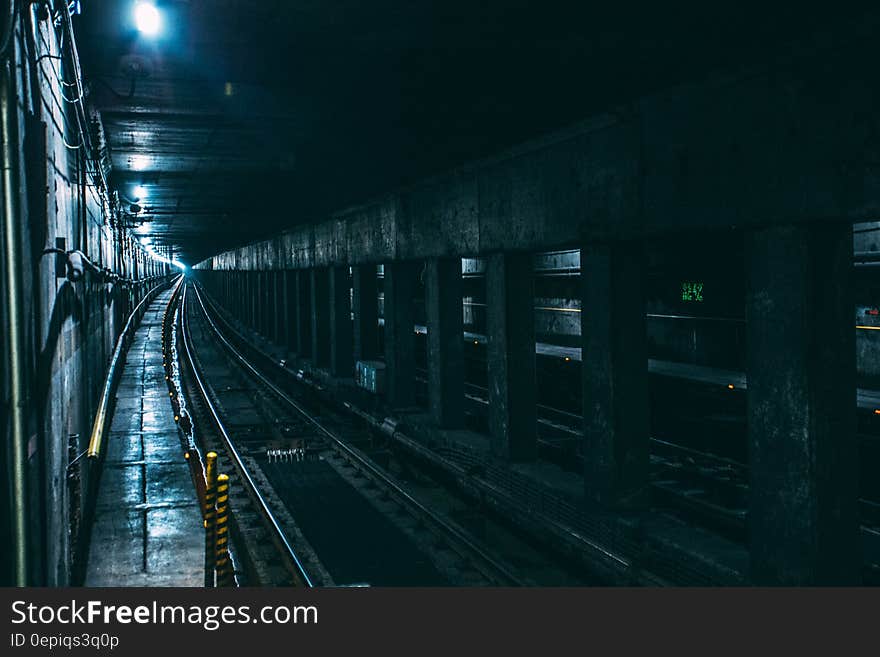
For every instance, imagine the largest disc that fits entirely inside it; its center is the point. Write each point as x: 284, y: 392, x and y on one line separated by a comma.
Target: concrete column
x: 247, y: 297
x: 276, y: 305
x: 259, y: 300
x: 443, y: 290
x: 510, y: 322
x: 400, y: 373
x: 267, y: 301
x: 303, y: 314
x: 801, y: 406
x: 341, y: 341
x: 259, y: 304
x: 289, y: 327
x: 285, y: 325
x: 240, y: 296
x: 234, y: 296
x: 255, y: 297
x: 279, y: 320
x: 253, y: 279
x: 365, y: 305
x: 615, y: 375
x: 320, y: 316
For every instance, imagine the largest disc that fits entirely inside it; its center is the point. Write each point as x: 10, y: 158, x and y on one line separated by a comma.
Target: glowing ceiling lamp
x: 141, y: 162
x: 147, y: 18
x: 140, y: 193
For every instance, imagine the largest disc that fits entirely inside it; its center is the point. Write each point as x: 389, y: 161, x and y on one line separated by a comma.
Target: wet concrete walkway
x: 148, y: 527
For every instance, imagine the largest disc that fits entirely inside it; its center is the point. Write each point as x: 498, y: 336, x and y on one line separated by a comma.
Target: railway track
x: 261, y: 531
x: 334, y: 516
x: 690, y: 483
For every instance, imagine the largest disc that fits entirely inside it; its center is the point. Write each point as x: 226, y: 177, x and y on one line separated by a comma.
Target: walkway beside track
x: 148, y: 527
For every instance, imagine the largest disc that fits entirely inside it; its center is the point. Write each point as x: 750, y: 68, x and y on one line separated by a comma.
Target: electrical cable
x: 92, y: 164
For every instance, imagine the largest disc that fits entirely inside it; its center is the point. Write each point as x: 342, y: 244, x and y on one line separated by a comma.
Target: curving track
x: 331, y: 517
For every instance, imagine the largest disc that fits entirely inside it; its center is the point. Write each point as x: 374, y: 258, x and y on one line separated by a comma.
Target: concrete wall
x: 71, y: 327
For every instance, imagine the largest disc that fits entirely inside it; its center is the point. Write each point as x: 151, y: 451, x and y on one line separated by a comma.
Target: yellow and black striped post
x: 210, y: 515
x: 223, y: 561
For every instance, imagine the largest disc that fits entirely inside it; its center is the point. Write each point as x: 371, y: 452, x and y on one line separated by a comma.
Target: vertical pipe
x: 12, y: 221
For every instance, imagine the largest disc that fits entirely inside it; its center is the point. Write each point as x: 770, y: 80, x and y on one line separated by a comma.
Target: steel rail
x: 300, y: 572
x: 353, y: 454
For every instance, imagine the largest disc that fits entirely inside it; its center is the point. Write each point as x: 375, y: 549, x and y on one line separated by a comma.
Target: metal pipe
x: 15, y: 350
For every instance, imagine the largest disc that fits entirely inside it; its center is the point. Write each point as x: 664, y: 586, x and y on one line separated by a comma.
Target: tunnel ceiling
x: 243, y: 117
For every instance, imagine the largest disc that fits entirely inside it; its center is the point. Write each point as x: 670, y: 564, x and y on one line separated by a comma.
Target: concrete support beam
x: 510, y: 321
x: 615, y: 375
x: 241, y: 298
x: 238, y: 303
x: 279, y: 319
x: 443, y: 292
x: 801, y: 376
x: 258, y: 301
x: 303, y: 313
x: 265, y: 301
x: 365, y: 294
x: 253, y: 292
x: 249, y: 299
x: 320, y: 316
x: 400, y: 279
x: 341, y: 341
x: 291, y: 311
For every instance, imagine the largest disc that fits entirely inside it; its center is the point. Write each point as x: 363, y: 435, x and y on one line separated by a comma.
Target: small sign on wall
x: 691, y: 291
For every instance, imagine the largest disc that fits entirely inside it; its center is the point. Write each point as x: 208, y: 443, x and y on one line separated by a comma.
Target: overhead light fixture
x: 140, y: 193
x: 140, y: 162
x: 147, y: 18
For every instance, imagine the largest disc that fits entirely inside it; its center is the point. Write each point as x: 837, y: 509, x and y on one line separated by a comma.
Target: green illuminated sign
x: 691, y: 291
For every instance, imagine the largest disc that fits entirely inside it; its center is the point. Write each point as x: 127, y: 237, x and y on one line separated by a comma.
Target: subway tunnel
x: 511, y: 293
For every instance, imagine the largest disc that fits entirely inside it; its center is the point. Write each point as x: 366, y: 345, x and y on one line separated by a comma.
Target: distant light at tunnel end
x: 147, y: 18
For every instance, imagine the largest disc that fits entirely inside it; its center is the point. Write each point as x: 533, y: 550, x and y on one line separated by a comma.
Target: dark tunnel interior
x: 335, y: 293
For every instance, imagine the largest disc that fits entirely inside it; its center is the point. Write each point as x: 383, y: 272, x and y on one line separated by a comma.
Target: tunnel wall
x: 71, y: 327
